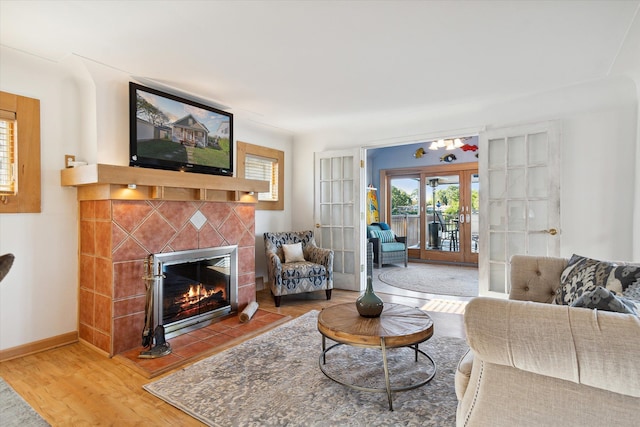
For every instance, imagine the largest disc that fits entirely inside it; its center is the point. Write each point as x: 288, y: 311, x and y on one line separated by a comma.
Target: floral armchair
x: 387, y: 247
x: 296, y: 265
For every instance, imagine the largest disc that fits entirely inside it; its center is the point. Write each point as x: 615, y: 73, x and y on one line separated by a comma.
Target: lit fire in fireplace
x: 197, y: 293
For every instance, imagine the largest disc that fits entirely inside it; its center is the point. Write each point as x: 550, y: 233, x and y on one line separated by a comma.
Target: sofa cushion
x: 603, y: 299
x: 385, y: 236
x: 392, y: 247
x: 293, y: 252
x: 302, y: 271
x: 584, y: 274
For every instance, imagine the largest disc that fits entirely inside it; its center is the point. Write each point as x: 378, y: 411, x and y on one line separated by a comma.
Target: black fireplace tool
x: 162, y: 347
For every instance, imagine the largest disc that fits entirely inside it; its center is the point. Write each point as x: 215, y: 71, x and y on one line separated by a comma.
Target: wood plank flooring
x: 76, y: 386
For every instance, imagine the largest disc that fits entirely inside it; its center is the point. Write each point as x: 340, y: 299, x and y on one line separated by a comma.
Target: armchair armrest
x: 580, y: 345
x: 274, y: 266
x: 318, y: 255
x: 375, y: 242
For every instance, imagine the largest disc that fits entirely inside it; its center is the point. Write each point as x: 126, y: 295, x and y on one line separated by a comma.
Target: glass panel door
x: 337, y: 214
x: 443, y: 210
x: 405, y: 209
x: 472, y: 214
x: 437, y: 208
x: 521, y: 194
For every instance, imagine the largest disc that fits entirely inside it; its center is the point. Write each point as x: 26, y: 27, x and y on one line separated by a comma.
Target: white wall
x: 402, y: 156
x: 636, y: 210
x: 38, y: 298
x: 599, y: 146
x: 84, y: 111
x: 257, y: 134
x: 627, y: 62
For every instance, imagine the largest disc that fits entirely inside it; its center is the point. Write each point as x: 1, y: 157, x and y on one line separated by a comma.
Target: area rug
x: 15, y: 411
x: 274, y: 380
x: 433, y: 279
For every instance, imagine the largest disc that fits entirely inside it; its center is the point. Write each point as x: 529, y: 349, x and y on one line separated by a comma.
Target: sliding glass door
x: 452, y: 211
x: 405, y: 210
x: 437, y: 209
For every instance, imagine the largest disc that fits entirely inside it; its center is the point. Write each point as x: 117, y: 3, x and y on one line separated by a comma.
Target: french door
x: 437, y: 209
x: 338, y: 215
x: 519, y: 171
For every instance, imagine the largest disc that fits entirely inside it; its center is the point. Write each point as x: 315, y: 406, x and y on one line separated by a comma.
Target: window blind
x: 7, y: 152
x: 263, y: 169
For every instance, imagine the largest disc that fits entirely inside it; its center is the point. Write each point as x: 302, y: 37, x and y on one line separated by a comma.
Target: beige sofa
x: 532, y: 363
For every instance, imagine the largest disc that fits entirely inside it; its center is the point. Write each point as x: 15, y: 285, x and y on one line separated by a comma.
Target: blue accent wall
x: 403, y: 156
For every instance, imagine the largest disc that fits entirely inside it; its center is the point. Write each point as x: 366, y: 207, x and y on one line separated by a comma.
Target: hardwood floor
x: 76, y: 386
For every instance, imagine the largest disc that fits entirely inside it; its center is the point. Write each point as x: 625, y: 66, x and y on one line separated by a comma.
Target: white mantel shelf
x: 103, y: 182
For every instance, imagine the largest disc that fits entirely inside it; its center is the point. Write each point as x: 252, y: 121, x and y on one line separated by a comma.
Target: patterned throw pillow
x: 385, y: 236
x: 633, y: 292
x: 585, y: 274
x: 603, y: 299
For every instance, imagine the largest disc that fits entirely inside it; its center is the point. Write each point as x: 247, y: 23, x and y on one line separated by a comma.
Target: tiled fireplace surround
x: 116, y: 236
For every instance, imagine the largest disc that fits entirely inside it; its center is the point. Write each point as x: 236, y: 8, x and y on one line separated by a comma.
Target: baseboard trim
x: 94, y: 348
x: 38, y: 346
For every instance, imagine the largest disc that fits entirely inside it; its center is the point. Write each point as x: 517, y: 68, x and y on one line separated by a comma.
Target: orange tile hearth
x: 202, y: 342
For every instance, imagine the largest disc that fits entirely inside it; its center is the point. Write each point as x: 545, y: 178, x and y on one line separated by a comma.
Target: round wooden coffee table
x: 398, y: 326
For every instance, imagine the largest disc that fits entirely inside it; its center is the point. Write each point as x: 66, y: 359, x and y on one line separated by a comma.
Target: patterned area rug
x: 433, y: 279
x: 15, y: 411
x: 274, y: 380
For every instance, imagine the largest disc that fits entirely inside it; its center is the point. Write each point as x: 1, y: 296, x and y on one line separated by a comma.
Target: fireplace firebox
x: 194, y: 287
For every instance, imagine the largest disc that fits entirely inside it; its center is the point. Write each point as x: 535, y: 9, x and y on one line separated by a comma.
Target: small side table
x: 398, y: 326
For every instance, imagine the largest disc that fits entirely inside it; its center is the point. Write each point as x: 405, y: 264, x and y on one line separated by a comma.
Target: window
x: 264, y: 164
x: 7, y: 154
x: 19, y: 154
x: 263, y: 169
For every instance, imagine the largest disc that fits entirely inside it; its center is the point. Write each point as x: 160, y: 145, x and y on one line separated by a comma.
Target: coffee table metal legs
x: 386, y: 372
x: 388, y: 389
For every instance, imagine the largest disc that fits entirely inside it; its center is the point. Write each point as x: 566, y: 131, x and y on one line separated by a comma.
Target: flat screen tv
x: 174, y: 133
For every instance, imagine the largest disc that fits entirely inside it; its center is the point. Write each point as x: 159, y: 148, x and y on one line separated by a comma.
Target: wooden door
x: 451, y: 235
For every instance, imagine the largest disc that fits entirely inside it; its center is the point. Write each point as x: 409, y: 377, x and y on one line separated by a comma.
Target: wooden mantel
x: 102, y: 182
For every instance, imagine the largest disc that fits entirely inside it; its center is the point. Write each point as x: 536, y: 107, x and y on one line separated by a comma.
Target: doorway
x: 437, y: 209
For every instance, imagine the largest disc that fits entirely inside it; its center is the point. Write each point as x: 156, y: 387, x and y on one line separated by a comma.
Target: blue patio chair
x: 387, y: 247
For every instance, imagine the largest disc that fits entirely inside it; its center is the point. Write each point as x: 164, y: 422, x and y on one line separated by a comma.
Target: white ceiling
x: 304, y: 65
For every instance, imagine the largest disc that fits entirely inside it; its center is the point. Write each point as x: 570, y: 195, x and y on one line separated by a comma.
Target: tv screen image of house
x: 170, y: 132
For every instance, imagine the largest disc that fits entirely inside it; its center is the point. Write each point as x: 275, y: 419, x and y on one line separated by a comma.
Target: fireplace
x: 116, y: 236
x: 192, y: 288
